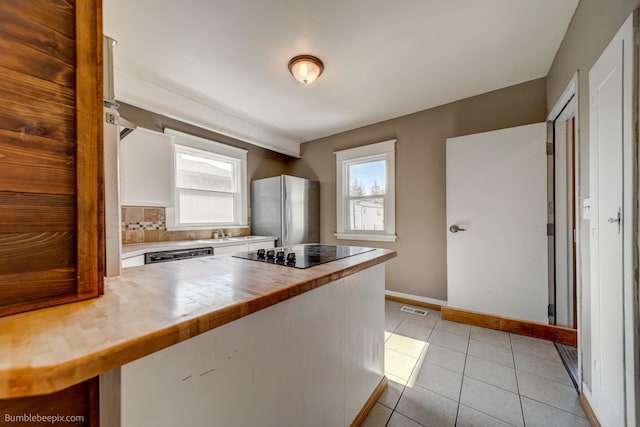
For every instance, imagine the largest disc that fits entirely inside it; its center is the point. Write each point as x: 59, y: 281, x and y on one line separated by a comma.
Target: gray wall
x: 420, y: 268
x: 592, y: 27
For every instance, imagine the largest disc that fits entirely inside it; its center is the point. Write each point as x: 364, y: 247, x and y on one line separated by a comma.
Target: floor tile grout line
x: 554, y: 407
x: 464, y: 368
x: 488, y: 415
x: 515, y: 368
x: 493, y: 385
x: 544, y: 378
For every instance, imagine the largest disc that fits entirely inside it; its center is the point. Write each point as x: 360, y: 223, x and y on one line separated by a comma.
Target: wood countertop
x: 146, y: 309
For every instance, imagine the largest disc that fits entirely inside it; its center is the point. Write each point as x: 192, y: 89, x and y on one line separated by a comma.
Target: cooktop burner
x: 302, y: 256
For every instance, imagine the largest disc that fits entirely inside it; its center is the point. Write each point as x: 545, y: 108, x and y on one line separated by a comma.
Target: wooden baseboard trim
x: 413, y: 302
x: 521, y: 327
x: 370, y: 403
x: 591, y: 416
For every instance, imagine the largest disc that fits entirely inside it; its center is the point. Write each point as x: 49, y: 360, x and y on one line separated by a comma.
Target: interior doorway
x: 563, y: 293
x: 564, y: 212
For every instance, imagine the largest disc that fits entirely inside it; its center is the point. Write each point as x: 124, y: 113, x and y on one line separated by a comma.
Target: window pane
x: 368, y: 178
x: 206, y: 208
x: 204, y: 173
x: 367, y: 214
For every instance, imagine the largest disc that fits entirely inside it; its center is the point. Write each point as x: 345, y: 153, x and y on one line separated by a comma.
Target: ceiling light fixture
x: 305, y: 68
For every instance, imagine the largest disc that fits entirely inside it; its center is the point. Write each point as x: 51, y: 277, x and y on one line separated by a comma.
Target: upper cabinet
x: 146, y: 159
x: 50, y: 153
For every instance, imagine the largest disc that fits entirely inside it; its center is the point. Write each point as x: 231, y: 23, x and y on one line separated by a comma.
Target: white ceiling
x: 383, y: 59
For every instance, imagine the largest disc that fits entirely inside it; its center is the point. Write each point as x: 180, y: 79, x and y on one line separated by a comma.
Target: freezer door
x: 301, y: 211
x: 266, y: 207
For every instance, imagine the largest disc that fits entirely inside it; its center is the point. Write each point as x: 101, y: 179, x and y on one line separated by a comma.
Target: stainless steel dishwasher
x: 174, y: 255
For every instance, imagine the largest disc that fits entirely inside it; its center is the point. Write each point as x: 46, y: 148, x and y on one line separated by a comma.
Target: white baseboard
x: 416, y: 298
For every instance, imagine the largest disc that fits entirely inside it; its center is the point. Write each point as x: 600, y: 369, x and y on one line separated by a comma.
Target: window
x: 366, y: 192
x: 209, y: 181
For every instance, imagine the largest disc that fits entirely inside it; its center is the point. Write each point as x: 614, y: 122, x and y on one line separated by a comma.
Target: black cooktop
x: 302, y: 256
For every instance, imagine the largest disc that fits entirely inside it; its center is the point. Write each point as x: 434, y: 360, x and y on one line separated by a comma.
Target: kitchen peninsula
x: 215, y: 338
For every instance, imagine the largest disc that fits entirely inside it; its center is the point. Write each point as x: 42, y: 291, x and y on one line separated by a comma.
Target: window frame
x: 344, y: 158
x: 190, y: 144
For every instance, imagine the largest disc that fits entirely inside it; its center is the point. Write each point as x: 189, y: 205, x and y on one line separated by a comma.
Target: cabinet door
x: 135, y: 261
x: 222, y: 250
x: 261, y: 245
x: 146, y: 165
x: 50, y: 153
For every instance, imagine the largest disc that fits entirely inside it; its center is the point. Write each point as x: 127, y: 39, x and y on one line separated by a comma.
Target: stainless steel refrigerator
x: 286, y: 207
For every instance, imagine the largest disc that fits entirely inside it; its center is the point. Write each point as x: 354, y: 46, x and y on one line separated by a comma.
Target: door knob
x: 617, y: 219
x: 454, y: 229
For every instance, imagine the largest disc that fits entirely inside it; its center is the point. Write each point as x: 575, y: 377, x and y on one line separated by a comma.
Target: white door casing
x: 564, y: 209
x: 612, y: 308
x: 496, y: 190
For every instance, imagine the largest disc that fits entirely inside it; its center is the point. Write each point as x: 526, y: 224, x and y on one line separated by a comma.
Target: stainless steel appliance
x: 286, y: 207
x: 302, y: 256
x: 163, y: 256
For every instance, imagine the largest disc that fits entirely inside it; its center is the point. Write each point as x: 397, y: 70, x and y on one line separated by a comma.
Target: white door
x: 496, y: 195
x: 607, y: 310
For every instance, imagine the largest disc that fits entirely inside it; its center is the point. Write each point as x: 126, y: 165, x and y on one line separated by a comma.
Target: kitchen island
x: 240, y: 334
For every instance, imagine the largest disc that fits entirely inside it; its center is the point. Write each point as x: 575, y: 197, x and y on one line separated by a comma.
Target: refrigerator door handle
x: 286, y: 214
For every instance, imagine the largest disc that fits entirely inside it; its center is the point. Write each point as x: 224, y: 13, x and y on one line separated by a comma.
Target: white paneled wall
x: 312, y: 360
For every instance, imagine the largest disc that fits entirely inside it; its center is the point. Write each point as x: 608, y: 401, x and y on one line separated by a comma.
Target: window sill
x: 371, y: 237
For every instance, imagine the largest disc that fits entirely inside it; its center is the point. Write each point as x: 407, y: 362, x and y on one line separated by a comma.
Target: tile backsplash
x: 142, y: 224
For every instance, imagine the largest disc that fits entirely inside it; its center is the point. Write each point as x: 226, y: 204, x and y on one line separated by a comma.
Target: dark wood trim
x: 94, y: 402
x: 521, y: 327
x: 89, y: 145
x: 370, y: 403
x: 591, y: 416
x: 413, y: 302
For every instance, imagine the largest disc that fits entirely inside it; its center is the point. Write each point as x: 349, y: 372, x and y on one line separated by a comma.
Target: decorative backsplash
x: 147, y: 224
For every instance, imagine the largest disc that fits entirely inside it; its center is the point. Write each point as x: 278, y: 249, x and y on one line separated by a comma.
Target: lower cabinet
x: 133, y: 261
x: 220, y: 250
x: 224, y: 250
x: 312, y: 360
x: 261, y: 245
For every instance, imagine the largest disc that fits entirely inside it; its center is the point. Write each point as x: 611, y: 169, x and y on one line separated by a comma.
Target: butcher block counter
x: 147, y: 309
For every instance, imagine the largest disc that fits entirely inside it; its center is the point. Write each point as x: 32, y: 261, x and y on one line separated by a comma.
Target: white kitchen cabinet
x: 223, y: 250
x: 146, y: 168
x: 133, y: 261
x: 239, y: 375
x: 261, y: 245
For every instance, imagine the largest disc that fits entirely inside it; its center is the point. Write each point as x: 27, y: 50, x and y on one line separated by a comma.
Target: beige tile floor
x: 444, y: 373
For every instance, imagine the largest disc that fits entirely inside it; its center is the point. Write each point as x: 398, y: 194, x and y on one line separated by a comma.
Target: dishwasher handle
x: 154, y: 257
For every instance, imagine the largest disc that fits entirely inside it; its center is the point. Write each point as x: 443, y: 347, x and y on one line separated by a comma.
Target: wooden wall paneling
x: 89, y: 101
x: 59, y: 13
x: 21, y: 27
x: 28, y: 213
x: 32, y: 62
x: 38, y: 288
x: 50, y: 145
x: 32, y: 164
x: 30, y: 87
x: 26, y: 252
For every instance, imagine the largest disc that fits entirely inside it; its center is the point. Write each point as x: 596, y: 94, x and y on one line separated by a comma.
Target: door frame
x: 628, y: 33
x: 570, y: 94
